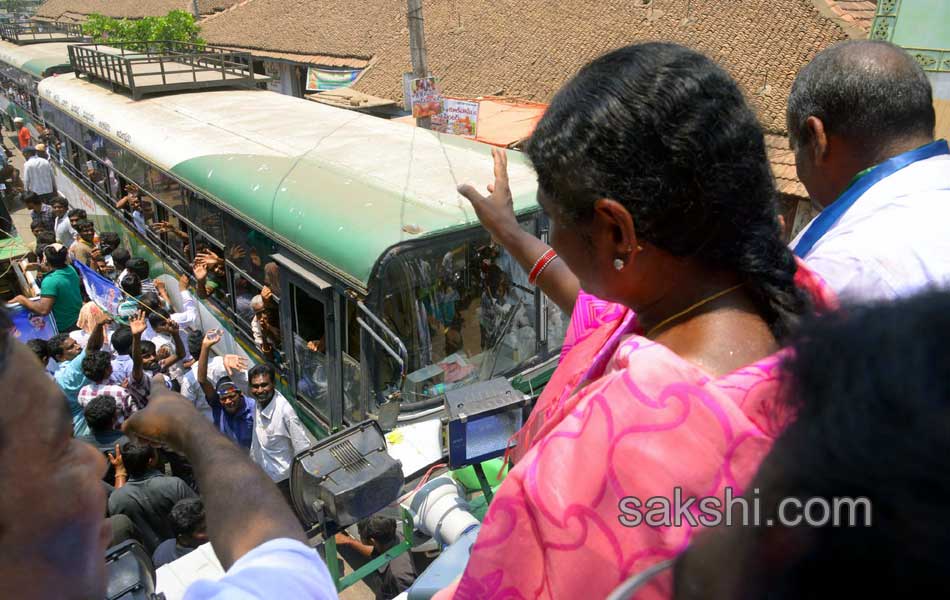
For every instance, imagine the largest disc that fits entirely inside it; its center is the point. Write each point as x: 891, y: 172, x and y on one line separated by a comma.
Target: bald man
x: 861, y: 123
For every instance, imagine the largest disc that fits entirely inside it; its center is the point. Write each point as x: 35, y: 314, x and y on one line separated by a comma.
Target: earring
x: 619, y: 264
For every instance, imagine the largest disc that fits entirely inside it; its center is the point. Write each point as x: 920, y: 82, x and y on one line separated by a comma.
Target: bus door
x: 310, y: 311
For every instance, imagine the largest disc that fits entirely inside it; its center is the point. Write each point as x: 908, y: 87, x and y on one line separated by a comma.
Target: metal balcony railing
x: 164, y: 66
x: 40, y: 32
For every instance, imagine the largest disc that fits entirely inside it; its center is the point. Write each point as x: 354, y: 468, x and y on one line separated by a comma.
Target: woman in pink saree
x: 653, y: 172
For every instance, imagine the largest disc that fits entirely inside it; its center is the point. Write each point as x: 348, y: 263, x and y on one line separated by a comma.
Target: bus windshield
x: 466, y: 313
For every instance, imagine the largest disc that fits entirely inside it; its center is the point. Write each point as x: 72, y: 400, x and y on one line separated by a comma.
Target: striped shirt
x: 123, y: 401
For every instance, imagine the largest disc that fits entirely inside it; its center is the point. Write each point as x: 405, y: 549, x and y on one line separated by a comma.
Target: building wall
x: 941, y: 85
x: 281, y: 75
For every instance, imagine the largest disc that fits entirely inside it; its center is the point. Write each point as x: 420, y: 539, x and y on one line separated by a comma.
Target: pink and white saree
x: 644, y: 423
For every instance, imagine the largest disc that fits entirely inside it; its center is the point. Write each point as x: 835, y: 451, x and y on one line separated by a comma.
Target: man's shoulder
x: 281, y: 568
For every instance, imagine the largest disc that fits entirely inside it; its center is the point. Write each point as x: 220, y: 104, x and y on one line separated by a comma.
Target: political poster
x: 100, y: 290
x: 426, y: 97
x: 30, y: 326
x: 458, y: 117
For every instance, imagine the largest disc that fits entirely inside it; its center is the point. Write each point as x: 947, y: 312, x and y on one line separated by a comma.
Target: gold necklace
x: 702, y: 302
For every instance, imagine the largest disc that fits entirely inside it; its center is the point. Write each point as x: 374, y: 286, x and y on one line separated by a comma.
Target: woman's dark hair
x: 666, y: 132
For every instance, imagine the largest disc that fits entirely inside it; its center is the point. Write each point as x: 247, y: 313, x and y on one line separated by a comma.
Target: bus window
x: 206, y: 216
x: 165, y: 188
x: 245, y: 289
x: 464, y: 311
x: 248, y: 249
x: 170, y: 232
x: 212, y: 256
x: 308, y: 327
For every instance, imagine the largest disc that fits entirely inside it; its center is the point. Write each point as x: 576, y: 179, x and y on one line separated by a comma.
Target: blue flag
x: 100, y: 290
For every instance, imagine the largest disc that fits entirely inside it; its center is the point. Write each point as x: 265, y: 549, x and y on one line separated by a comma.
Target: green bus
x: 21, y: 70
x: 389, y: 290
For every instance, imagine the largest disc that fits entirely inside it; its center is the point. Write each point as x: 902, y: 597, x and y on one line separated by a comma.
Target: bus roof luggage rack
x: 41, y: 32
x: 164, y: 66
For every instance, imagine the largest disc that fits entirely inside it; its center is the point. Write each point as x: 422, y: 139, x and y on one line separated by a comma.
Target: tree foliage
x: 176, y: 26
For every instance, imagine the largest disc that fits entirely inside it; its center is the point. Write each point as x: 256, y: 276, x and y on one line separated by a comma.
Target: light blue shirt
x: 70, y: 379
x: 122, y: 366
x: 283, y: 568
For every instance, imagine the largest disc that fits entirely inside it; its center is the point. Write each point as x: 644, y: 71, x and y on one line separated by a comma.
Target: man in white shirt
x: 65, y: 234
x: 54, y: 534
x: 278, y: 433
x: 38, y: 175
x: 861, y: 123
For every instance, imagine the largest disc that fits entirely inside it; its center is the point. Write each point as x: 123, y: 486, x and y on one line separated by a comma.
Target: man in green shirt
x: 60, y: 291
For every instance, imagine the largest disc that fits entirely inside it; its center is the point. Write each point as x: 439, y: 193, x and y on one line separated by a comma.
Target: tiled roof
x: 858, y: 13
x: 312, y: 59
x: 129, y: 9
x: 783, y: 166
x: 527, y: 48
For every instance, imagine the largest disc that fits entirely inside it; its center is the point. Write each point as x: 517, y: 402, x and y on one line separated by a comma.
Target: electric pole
x: 194, y: 9
x: 417, y: 49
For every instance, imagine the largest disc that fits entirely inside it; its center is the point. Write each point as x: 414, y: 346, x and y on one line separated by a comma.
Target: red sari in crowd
x: 622, y: 416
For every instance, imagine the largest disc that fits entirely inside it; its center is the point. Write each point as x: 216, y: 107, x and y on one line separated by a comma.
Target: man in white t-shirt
x: 861, y: 123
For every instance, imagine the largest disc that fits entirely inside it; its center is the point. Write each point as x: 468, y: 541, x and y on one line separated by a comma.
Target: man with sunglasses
x: 232, y: 411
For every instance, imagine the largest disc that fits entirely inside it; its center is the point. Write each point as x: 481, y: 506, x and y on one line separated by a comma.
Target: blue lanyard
x: 830, y: 215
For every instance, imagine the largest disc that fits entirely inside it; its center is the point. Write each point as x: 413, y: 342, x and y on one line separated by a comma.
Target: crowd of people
x: 704, y: 356
x: 105, y: 364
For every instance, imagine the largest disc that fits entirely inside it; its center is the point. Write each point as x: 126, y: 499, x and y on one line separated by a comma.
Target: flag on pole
x: 100, y: 290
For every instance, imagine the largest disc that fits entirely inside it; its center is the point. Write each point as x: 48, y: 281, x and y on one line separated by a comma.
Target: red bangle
x: 541, y: 264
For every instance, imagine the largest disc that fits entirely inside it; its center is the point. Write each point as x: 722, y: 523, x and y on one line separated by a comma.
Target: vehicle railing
x: 399, y: 354
x: 40, y: 32
x: 176, y: 65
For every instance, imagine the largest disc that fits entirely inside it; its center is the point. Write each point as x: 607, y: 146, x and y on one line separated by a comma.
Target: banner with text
x: 322, y: 80
x: 458, y: 117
